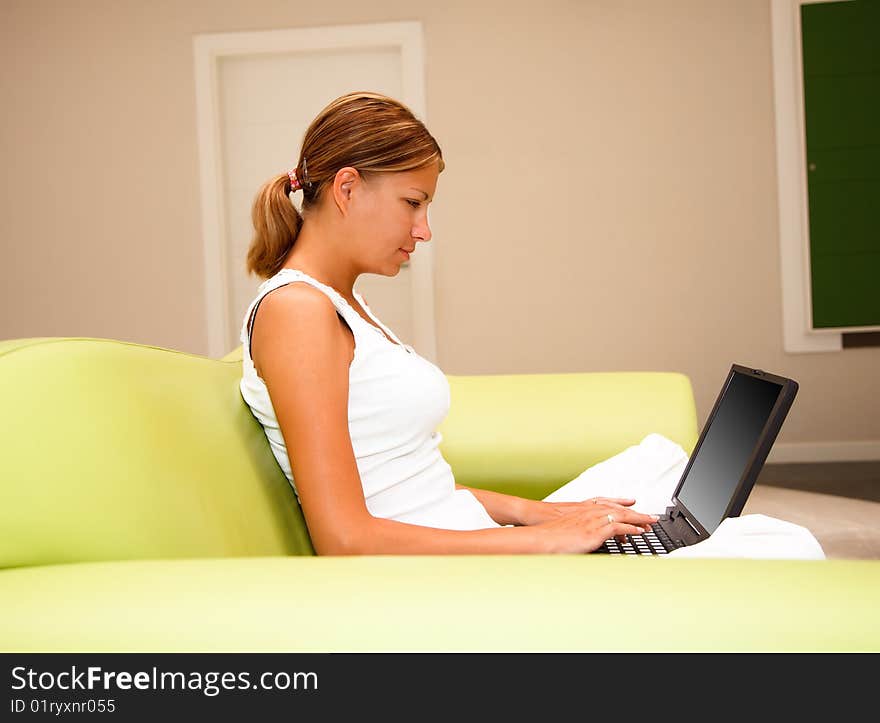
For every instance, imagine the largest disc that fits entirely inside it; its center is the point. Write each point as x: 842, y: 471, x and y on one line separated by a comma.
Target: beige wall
x: 609, y: 201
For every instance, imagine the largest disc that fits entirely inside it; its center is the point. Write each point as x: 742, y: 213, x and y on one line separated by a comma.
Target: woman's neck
x: 315, y: 253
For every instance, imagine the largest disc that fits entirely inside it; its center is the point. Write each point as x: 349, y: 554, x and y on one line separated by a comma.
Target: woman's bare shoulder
x: 298, y: 294
x: 297, y: 316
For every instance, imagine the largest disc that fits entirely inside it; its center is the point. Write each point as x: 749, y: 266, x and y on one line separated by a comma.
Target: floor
x: 859, y: 480
x: 838, y: 502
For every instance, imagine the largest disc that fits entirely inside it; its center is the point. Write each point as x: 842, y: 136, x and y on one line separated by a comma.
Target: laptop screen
x: 729, y: 442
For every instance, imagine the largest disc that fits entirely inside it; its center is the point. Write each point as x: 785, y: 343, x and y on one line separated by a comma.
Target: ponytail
x: 276, y: 226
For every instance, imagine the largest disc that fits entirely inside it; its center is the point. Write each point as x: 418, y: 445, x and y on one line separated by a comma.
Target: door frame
x: 791, y: 175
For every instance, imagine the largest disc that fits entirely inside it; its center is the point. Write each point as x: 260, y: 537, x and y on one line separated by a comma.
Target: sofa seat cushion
x: 477, y: 603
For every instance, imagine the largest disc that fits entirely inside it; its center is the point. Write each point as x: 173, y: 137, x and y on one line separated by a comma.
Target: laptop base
x: 654, y: 542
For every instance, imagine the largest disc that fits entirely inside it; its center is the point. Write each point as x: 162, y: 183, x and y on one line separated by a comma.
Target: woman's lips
x: 405, y: 253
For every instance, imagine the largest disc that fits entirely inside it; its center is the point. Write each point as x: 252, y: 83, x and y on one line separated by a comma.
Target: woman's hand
x: 537, y: 512
x: 586, y: 525
x: 566, y: 526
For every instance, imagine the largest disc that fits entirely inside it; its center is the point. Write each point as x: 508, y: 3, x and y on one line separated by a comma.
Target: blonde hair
x: 368, y: 131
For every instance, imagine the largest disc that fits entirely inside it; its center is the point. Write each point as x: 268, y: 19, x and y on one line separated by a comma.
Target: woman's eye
x: 414, y: 204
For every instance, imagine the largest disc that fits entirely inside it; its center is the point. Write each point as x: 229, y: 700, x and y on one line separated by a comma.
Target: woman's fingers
x: 622, y: 501
x: 622, y: 529
x: 594, y: 524
x: 594, y: 503
x: 626, y: 523
x: 623, y: 514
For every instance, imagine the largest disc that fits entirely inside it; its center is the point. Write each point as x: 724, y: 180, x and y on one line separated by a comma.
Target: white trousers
x: 649, y: 473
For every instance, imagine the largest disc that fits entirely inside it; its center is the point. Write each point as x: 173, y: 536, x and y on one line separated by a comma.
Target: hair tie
x: 295, y: 184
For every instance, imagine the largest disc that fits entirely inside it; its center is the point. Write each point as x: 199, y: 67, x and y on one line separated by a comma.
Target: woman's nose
x: 422, y: 232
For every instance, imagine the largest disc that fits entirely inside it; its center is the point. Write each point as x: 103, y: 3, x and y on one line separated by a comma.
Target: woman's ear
x: 345, y: 183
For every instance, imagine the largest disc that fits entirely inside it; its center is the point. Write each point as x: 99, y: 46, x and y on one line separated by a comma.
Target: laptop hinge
x: 684, y: 517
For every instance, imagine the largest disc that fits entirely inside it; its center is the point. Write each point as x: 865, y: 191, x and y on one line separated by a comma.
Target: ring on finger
x: 610, y: 519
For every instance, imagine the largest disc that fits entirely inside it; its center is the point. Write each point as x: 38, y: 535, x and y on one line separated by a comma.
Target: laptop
x: 724, y: 465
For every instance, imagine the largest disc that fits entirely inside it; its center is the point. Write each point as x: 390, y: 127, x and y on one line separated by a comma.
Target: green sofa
x: 141, y: 510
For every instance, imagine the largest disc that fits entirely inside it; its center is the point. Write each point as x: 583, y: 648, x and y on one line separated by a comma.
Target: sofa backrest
x: 111, y: 450
x: 528, y: 434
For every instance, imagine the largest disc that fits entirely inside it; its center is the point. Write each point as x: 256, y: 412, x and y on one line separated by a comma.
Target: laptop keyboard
x: 654, y: 542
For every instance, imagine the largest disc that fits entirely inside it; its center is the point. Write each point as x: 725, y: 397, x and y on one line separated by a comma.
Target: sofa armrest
x: 236, y: 355
x: 528, y: 434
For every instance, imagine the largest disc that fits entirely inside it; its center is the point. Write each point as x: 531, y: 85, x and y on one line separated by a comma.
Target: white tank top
x: 396, y: 402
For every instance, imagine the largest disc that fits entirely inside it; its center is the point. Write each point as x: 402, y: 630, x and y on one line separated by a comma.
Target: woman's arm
x: 512, y: 510
x: 309, y: 393
x: 509, y: 509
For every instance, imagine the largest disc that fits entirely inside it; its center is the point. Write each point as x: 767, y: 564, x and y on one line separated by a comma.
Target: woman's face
x: 391, y: 217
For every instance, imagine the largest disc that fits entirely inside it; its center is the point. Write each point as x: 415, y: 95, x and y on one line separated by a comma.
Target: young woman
x: 350, y: 412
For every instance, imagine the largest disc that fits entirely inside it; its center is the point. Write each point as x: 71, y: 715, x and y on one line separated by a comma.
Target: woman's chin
x: 390, y: 268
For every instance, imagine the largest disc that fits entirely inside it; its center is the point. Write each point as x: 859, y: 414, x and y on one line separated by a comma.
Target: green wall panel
x: 841, y: 51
